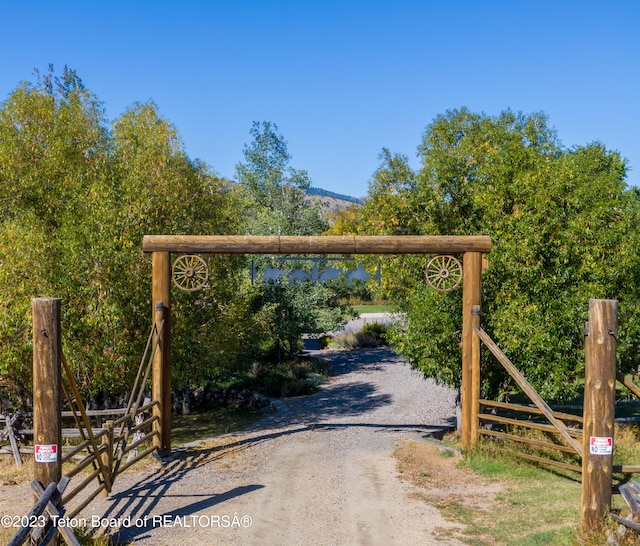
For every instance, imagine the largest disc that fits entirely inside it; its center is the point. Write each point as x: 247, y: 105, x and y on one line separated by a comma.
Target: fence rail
x: 531, y: 409
x: 99, y: 455
x: 556, y: 424
x: 528, y: 423
x: 589, y: 438
x: 44, y: 509
x: 511, y: 425
x: 103, y: 451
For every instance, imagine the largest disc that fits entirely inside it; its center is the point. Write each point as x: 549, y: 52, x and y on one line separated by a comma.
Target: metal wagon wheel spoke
x: 443, y: 273
x: 190, y: 273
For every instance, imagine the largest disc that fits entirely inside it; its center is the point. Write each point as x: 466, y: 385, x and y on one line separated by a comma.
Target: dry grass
x: 441, y: 480
x: 501, y: 500
x: 439, y: 473
x: 495, y: 502
x: 10, y: 474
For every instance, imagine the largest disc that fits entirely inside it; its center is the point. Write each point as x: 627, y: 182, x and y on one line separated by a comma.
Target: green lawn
x: 374, y: 309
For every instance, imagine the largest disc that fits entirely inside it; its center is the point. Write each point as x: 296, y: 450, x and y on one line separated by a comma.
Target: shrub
x: 375, y: 330
x: 372, y: 334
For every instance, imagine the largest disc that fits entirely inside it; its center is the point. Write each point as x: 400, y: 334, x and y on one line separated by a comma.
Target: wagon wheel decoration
x: 443, y: 273
x: 190, y: 273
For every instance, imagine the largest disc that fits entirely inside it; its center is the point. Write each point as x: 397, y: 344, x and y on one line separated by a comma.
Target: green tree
x: 275, y: 191
x: 53, y: 150
x: 389, y: 210
x: 386, y: 210
x: 76, y: 197
x: 161, y: 190
x: 275, y: 194
x: 345, y: 221
x: 562, y: 224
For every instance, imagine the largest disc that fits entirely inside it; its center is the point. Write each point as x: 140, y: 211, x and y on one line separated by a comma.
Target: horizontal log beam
x: 249, y: 244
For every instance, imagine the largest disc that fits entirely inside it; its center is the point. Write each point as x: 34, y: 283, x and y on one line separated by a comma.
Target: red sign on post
x: 600, y: 445
x: 47, y: 453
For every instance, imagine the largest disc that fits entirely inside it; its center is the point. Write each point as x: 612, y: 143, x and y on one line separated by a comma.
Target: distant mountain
x: 331, y: 201
x: 340, y: 197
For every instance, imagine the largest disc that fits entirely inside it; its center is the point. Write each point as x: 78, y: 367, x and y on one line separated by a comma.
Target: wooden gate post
x: 599, y: 412
x: 47, y: 358
x: 470, y: 389
x: 161, y: 381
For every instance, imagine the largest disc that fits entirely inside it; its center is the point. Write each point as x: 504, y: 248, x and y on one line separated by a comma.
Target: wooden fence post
x: 475, y: 377
x: 599, y: 414
x: 47, y: 358
x: 12, y: 440
x: 161, y: 386
x: 161, y: 381
x: 107, y: 456
x: 471, y: 297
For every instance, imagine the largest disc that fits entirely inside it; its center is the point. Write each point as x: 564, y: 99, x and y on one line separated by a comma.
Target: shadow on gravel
x: 363, y: 360
x: 140, y: 502
x: 353, y: 399
x: 138, y: 505
x: 418, y: 429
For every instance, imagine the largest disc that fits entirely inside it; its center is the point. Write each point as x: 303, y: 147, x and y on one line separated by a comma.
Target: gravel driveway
x: 319, y: 471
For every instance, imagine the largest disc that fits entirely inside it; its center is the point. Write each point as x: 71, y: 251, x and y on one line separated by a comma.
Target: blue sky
x: 341, y: 79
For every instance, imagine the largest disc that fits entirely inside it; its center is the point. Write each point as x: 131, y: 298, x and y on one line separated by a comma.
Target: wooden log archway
x: 472, y: 247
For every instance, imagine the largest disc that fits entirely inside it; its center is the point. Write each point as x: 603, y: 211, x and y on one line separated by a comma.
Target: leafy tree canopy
x: 76, y: 196
x: 276, y: 191
x: 563, y: 226
x: 275, y: 194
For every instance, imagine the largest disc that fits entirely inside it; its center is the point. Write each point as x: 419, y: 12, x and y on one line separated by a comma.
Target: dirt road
x: 319, y: 471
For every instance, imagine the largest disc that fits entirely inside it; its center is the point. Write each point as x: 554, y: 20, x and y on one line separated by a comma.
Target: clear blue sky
x: 341, y: 79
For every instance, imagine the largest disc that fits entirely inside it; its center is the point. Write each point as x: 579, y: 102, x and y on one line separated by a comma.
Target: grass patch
x: 211, y: 422
x: 498, y: 499
x: 10, y: 474
x: 538, y: 506
x: 373, y: 308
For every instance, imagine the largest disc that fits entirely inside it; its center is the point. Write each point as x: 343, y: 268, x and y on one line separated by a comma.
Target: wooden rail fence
x: 543, y: 432
x: 47, y: 503
x: 571, y: 436
x: 102, y: 452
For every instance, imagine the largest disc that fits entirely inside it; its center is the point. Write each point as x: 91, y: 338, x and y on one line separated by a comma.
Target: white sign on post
x: 600, y: 445
x: 46, y: 453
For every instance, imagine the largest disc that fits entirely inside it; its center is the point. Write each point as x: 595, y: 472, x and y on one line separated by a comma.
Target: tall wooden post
x: 161, y: 382
x: 470, y: 391
x: 599, y: 412
x: 47, y: 358
x: 475, y: 376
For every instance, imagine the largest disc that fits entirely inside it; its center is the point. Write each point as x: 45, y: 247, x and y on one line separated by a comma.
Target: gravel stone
x: 318, y: 471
